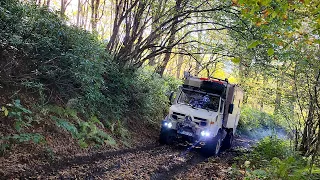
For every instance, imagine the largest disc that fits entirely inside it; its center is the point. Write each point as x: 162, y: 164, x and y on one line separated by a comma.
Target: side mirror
x: 171, y: 99
x: 230, y: 110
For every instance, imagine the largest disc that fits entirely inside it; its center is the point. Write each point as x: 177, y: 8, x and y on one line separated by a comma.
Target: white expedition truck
x: 205, y: 112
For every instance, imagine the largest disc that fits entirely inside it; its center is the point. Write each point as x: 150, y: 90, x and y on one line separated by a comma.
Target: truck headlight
x: 205, y: 133
x: 168, y: 124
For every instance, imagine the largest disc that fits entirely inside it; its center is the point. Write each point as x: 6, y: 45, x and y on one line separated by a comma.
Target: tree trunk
x: 278, y: 95
x: 307, y: 131
x: 94, y: 14
x: 200, y: 49
x: 118, y: 14
x: 179, y: 65
x: 62, y: 8
x: 78, y: 13
x: 152, y: 60
x: 173, y: 32
x: 86, y: 14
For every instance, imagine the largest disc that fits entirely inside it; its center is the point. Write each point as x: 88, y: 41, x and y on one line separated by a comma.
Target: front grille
x: 201, y: 119
x: 188, y: 129
x: 179, y: 114
x: 201, y: 123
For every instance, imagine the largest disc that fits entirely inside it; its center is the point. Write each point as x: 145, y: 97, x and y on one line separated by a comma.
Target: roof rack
x: 187, y: 75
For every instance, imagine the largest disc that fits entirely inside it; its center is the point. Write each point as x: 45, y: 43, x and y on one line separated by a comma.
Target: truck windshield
x: 199, y: 100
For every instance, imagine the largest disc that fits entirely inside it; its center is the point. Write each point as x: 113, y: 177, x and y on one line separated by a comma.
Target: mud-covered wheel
x: 212, y: 147
x: 167, y: 137
x: 228, y: 140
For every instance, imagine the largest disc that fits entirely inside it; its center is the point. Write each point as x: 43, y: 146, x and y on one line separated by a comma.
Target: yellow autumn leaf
x: 234, y: 2
x: 258, y: 23
x: 309, y: 42
x: 5, y: 110
x: 290, y: 34
x: 284, y: 17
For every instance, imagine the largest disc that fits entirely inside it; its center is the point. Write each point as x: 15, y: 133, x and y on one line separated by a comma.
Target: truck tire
x: 212, y: 147
x: 167, y: 137
x: 227, y: 141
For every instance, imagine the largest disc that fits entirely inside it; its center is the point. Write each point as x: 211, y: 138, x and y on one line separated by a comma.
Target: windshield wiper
x: 194, y: 107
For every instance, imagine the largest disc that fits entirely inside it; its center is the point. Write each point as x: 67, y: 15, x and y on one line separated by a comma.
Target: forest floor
x: 150, y: 161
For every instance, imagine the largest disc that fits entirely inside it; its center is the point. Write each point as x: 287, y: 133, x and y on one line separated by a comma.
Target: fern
x: 17, y: 105
x: 89, y: 132
x: 82, y: 143
x: 94, y: 119
x: 107, y: 138
x: 66, y: 125
x: 85, y: 132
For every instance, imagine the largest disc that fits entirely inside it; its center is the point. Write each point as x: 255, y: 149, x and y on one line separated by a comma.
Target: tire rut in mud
x: 197, y: 162
x: 139, y: 165
x: 63, y: 163
x: 162, y: 173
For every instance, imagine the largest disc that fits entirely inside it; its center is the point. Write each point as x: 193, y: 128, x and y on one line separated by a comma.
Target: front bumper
x: 184, y: 135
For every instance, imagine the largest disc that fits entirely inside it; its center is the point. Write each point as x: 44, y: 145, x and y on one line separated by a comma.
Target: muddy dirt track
x: 148, y: 162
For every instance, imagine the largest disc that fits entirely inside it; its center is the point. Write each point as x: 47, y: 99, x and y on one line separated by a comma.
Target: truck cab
x: 203, y: 112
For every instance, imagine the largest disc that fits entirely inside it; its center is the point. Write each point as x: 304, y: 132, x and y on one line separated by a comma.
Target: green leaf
x: 254, y: 44
x: 82, y: 143
x: 3, y: 148
x: 94, y: 119
x: 236, y: 60
x: 270, y: 51
x: 37, y: 139
x: 17, y: 102
x: 317, y: 41
x: 18, y: 125
x: 111, y: 141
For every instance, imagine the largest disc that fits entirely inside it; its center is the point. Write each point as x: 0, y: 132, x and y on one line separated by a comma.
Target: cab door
x: 220, y: 112
x: 217, y: 118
